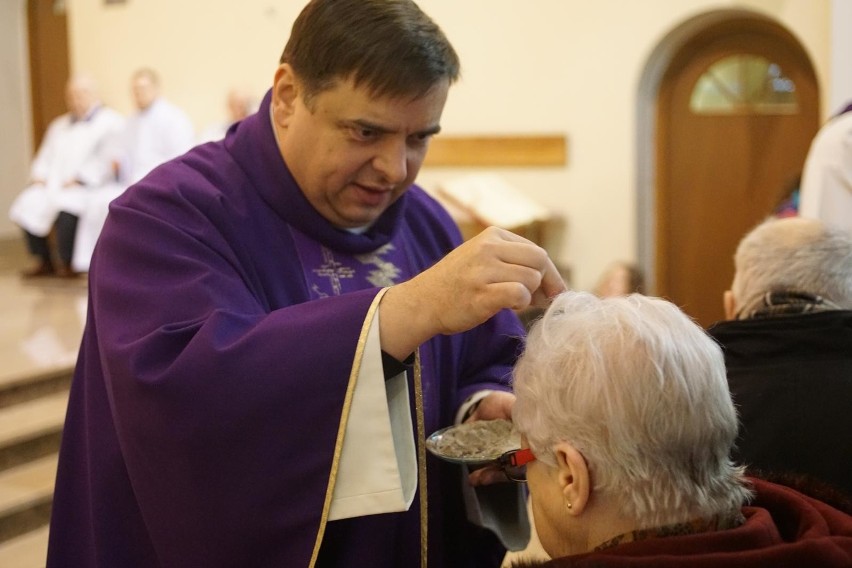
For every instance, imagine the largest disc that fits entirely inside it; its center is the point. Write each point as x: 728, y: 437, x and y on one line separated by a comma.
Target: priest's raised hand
x: 494, y: 270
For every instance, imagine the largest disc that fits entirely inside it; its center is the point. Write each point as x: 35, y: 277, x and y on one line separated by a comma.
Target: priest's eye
x: 363, y: 134
x: 419, y: 140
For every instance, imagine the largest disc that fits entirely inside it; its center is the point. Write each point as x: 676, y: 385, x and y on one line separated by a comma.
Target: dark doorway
x: 49, y: 62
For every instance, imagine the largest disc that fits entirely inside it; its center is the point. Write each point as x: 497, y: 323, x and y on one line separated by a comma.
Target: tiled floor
x: 26, y: 552
x: 41, y: 326
x: 40, y: 331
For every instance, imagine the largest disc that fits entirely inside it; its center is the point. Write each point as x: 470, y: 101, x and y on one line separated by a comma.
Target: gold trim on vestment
x: 421, y: 459
x: 344, y: 418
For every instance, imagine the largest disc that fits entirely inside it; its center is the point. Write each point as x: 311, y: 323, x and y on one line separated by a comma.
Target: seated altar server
x: 74, y: 158
x: 157, y: 132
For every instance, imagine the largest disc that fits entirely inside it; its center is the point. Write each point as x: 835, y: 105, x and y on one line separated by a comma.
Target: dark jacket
x: 791, y: 379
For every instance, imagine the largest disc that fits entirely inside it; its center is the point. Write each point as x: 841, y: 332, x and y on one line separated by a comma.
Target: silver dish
x: 479, y: 455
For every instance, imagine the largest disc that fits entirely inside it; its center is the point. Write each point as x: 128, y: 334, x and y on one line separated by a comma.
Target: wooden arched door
x: 737, y: 109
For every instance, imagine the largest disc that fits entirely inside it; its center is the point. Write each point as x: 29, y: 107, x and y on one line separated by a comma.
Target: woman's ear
x: 573, y: 477
x: 285, y: 94
x: 730, y: 305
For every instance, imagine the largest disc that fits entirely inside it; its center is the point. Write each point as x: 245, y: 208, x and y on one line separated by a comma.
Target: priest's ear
x: 285, y: 94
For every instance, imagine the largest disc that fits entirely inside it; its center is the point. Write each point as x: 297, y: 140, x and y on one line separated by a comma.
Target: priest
x: 278, y: 319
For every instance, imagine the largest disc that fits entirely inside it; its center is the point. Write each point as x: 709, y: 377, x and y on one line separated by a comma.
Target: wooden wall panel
x: 497, y: 151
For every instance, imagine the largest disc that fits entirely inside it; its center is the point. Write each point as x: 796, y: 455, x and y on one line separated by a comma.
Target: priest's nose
x: 391, y: 161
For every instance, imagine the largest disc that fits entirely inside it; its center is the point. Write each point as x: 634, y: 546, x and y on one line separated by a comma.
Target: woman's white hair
x: 794, y: 254
x: 640, y: 390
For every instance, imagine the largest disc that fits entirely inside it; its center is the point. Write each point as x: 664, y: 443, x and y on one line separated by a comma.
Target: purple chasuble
x: 223, y: 321
x: 329, y: 273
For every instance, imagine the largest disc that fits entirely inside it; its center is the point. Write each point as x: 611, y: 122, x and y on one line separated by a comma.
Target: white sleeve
x: 826, y: 188
x: 378, y: 462
x: 46, y: 154
x: 469, y: 403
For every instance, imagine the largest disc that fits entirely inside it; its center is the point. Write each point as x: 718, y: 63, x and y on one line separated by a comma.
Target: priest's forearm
x: 404, y: 325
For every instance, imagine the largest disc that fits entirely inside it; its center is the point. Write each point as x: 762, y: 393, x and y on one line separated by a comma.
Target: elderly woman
x: 627, y: 427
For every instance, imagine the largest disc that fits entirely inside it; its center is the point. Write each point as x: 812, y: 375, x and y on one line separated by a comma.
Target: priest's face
x: 353, y: 154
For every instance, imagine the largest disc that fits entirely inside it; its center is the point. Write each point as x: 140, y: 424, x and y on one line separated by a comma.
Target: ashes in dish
x: 474, y: 442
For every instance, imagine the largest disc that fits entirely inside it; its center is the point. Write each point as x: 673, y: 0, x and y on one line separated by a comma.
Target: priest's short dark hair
x: 391, y: 46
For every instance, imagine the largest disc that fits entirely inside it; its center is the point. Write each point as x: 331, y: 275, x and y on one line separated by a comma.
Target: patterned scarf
x: 716, y: 523
x: 788, y: 302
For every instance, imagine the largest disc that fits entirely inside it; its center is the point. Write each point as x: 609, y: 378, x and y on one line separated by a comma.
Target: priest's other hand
x: 487, y: 475
x: 496, y: 405
x: 494, y: 270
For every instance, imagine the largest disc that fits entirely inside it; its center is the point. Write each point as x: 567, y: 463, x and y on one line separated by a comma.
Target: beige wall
x: 839, y: 91
x: 553, y: 66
